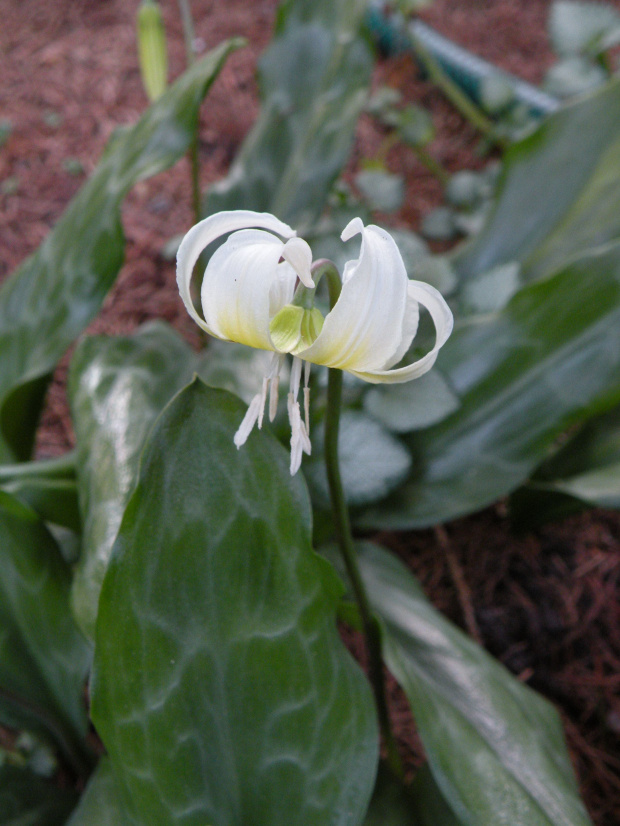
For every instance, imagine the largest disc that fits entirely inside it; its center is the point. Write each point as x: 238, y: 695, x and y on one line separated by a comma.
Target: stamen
x: 300, y: 443
x: 307, y: 396
x: 295, y: 377
x: 300, y: 440
x: 256, y: 410
x: 263, y: 399
x: 249, y: 420
x: 274, y: 391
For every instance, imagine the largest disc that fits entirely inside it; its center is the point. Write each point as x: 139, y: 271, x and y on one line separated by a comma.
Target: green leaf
x: 117, y: 388
x: 412, y: 406
x: 43, y: 657
x: 372, y: 461
x: 496, y: 94
x: 559, y: 192
x: 419, y: 804
x: 48, y: 486
x: 57, y: 291
x: 221, y: 620
x: 391, y: 803
x: 439, y: 224
x: 495, y: 748
x: 101, y: 804
x: 524, y: 375
x: 414, y: 125
x: 382, y: 100
x: 26, y: 800
x: 465, y: 188
x: 381, y: 190
x: 430, y: 804
x: 314, y: 79
x: 576, y: 27
x: 491, y: 290
x: 586, y: 471
x: 574, y: 76
x: 234, y: 367
x: 437, y: 271
x: 599, y: 487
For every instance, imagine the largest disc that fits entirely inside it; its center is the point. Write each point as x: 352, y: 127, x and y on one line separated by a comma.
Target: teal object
x: 393, y: 34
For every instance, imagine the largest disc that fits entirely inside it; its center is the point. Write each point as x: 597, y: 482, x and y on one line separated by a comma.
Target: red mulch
x: 545, y: 604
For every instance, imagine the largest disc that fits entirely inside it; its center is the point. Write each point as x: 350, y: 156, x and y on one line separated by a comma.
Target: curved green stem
x: 342, y: 527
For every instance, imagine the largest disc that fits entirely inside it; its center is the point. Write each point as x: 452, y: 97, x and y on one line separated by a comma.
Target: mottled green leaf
x: 372, y: 461
x: 524, y: 375
x: 491, y: 290
x: 559, y: 192
x: 439, y: 224
x: 437, y: 271
x: 221, y: 620
x: 465, y: 188
x: 27, y: 800
x: 56, y: 292
x: 117, y: 387
x: 412, y: 406
x: 313, y: 79
x: 43, y: 657
x: 495, y: 748
x: 414, y: 125
x: 233, y: 367
x: 101, y: 804
x: 381, y: 190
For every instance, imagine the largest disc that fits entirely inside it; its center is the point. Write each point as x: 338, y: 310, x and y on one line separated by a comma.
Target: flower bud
x: 152, y: 50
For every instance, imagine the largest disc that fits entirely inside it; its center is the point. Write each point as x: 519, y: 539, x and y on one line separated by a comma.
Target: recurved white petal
x: 364, y: 330
x: 299, y: 255
x: 443, y: 320
x: 201, y: 235
x: 239, y: 286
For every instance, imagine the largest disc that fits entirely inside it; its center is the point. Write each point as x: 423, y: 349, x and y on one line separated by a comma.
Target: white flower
x: 249, y: 295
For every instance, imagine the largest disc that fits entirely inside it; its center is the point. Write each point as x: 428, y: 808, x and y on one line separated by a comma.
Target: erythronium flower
x: 250, y: 295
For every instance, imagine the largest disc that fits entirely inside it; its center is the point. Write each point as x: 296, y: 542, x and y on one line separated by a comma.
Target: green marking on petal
x: 285, y: 328
x: 311, y: 326
x: 295, y: 328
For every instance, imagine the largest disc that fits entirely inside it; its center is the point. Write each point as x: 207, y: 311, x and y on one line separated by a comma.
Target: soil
x: 545, y: 604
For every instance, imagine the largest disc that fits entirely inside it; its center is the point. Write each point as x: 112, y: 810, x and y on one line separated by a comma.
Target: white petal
x: 202, y: 234
x: 365, y: 329
x: 238, y: 284
x: 441, y: 314
x: 299, y: 255
x: 410, y: 326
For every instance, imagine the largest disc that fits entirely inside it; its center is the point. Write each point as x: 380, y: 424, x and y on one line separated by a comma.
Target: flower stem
x: 457, y: 98
x: 342, y: 527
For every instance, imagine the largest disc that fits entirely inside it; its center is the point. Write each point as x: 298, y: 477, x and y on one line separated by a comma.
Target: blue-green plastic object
x: 394, y: 34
